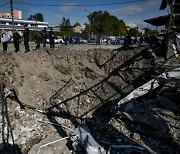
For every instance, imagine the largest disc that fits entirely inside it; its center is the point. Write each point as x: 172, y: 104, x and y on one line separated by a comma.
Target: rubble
x: 61, y: 90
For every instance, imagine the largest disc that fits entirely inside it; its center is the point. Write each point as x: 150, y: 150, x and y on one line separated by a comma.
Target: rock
x: 136, y: 136
x: 53, y: 148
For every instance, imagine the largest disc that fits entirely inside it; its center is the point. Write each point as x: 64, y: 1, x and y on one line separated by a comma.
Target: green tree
x: 133, y: 31
x: 65, y: 27
x: 77, y: 24
x: 37, y: 17
x: 104, y: 23
x: 123, y: 28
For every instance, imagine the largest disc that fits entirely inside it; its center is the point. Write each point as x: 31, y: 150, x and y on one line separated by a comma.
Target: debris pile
x: 54, y: 96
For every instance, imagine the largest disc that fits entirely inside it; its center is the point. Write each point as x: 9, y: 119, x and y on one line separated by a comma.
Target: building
x: 79, y: 29
x: 17, y: 14
x: 6, y: 23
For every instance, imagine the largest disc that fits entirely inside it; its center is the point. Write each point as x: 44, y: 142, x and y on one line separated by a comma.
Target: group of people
x: 40, y: 36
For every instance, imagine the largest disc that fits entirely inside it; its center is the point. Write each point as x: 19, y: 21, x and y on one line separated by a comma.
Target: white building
x: 79, y: 29
x: 6, y: 23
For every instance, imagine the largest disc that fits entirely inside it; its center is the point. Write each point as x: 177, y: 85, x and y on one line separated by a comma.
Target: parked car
x: 57, y: 40
x: 78, y: 40
x: 104, y: 41
x: 111, y: 41
x: 83, y: 41
x: 92, y: 41
x: 120, y: 41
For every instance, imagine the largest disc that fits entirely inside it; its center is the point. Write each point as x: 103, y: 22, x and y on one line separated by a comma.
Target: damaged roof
x: 158, y: 21
x: 162, y: 20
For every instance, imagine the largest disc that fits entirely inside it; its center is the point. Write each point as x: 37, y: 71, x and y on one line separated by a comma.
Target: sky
x: 132, y: 13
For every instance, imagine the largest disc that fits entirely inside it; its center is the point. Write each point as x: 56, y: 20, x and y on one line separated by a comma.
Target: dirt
x: 78, y: 84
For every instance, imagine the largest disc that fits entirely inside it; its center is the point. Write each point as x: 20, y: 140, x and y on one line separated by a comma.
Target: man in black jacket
x: 16, y: 38
x: 26, y: 38
x: 51, y: 38
x: 38, y: 40
x: 44, y: 37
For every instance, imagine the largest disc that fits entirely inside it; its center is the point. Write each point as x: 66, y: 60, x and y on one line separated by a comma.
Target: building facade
x: 17, y: 14
x: 6, y: 23
x: 79, y: 29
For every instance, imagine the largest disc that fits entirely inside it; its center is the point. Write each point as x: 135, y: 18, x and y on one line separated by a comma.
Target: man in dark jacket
x: 26, y: 38
x: 16, y: 38
x: 38, y: 40
x: 44, y: 37
x: 51, y: 38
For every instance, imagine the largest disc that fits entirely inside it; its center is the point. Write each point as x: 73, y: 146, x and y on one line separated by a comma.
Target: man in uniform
x: 44, y: 37
x: 51, y: 38
x: 26, y: 38
x: 38, y: 40
x: 16, y: 38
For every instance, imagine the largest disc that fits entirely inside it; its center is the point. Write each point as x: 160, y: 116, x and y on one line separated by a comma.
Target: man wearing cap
x: 26, y: 38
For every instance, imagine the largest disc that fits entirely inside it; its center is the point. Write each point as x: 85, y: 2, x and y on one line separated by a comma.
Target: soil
x: 82, y: 84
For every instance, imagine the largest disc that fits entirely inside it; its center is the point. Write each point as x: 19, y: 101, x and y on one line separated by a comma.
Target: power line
x: 103, y: 4
x: 4, y: 4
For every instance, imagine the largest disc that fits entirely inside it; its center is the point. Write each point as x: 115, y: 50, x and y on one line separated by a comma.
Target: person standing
x: 38, y: 40
x: 44, y: 37
x: 51, y: 38
x: 26, y: 38
x: 5, y: 37
x: 16, y: 38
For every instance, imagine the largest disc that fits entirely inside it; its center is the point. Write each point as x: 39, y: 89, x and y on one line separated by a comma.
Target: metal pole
x: 169, y: 26
x: 89, y: 32
x: 12, y: 14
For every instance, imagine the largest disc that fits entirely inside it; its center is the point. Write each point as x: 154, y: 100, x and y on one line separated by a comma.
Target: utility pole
x: 12, y: 15
x: 169, y: 27
x: 89, y: 30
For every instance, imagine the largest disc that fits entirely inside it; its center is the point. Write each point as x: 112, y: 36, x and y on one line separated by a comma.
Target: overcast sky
x: 132, y: 13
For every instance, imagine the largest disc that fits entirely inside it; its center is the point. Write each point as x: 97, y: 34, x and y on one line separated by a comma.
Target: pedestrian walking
x: 26, y: 38
x: 38, y: 40
x: 51, y: 38
x: 44, y: 37
x: 16, y: 39
x: 5, y: 38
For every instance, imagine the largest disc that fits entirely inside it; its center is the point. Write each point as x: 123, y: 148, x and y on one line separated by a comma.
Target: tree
x: 65, y: 27
x: 104, y: 23
x: 77, y: 24
x: 37, y: 17
x: 150, y: 32
x: 133, y: 31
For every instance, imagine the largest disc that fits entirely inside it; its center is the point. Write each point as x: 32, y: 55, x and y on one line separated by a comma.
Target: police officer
x: 51, y: 38
x: 38, y: 40
x: 26, y: 38
x: 44, y: 37
x: 16, y: 38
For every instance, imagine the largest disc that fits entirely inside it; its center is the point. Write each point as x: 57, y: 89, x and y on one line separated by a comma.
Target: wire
x: 134, y: 1
x: 4, y: 4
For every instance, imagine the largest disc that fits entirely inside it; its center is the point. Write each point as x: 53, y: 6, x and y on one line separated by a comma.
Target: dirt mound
x: 64, y: 88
